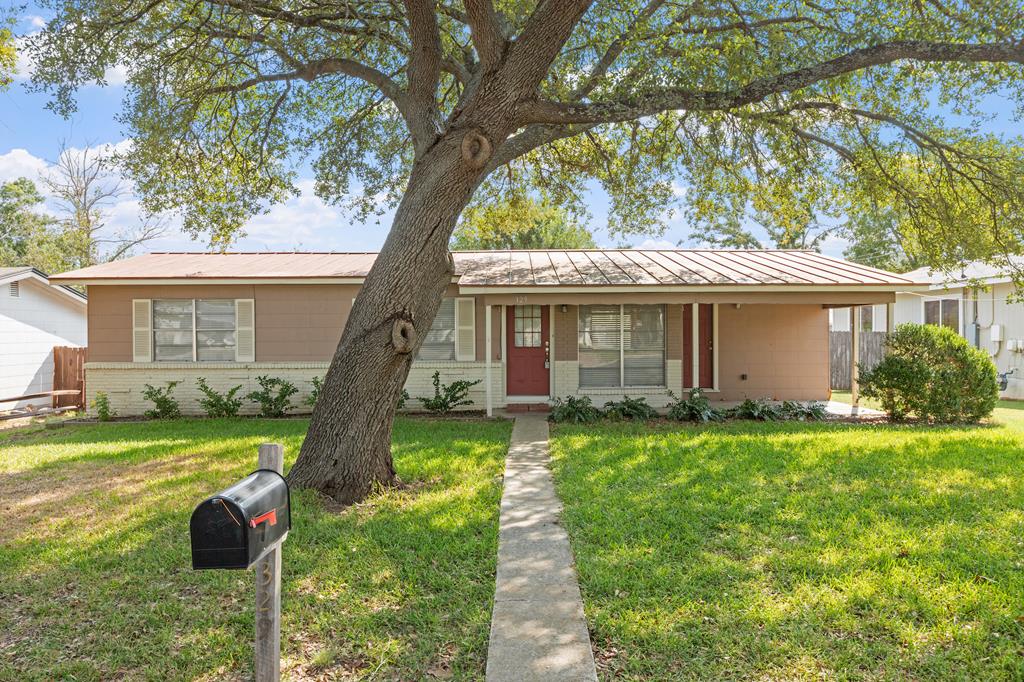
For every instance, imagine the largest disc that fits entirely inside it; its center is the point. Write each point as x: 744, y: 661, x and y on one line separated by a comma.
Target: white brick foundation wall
x: 567, y: 383
x: 123, y: 382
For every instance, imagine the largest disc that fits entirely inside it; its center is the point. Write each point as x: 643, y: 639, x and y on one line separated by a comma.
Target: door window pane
x: 599, y: 336
x: 644, y: 345
x: 439, y: 343
x: 172, y: 331
x: 527, y: 333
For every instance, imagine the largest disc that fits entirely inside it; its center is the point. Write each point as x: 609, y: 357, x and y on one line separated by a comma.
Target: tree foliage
x: 520, y: 222
x: 8, y: 56
x: 786, y: 115
x: 27, y: 233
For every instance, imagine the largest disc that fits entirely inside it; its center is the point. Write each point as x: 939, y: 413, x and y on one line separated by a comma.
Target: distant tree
x: 8, y: 56
x: 84, y: 188
x: 520, y: 222
x: 27, y: 234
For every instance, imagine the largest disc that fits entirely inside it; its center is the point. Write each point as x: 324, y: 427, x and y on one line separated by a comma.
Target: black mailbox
x: 236, y: 527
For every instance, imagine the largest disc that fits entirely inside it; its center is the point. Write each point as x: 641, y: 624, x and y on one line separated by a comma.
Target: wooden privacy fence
x: 872, y: 350
x: 69, y: 375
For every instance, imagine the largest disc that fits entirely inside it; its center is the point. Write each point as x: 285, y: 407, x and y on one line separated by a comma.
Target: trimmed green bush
x: 165, y: 407
x: 574, y: 410
x: 447, y: 397
x: 932, y: 373
x: 102, y: 404
x: 217, y: 405
x: 694, y: 408
x: 274, y: 396
x: 635, y: 409
x: 758, y: 409
x: 314, y: 393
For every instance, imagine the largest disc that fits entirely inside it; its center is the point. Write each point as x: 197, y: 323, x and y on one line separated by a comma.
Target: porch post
x: 854, y: 356
x: 487, y: 357
x: 890, y: 318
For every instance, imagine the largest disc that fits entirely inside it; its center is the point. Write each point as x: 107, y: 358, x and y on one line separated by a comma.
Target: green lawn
x: 799, y: 551
x: 95, y: 574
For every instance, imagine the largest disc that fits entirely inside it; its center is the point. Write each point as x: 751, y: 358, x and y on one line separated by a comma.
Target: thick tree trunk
x: 347, y: 452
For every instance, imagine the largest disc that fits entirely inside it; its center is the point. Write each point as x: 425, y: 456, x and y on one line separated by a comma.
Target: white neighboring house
x: 35, y: 316
x: 976, y: 302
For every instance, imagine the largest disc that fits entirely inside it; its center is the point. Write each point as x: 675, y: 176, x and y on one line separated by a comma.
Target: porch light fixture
x: 565, y: 308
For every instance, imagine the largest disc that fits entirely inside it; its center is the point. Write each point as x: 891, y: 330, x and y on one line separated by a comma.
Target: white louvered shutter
x: 142, y: 330
x: 245, y: 330
x: 465, y: 329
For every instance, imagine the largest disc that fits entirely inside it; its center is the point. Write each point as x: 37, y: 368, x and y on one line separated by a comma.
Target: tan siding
x: 566, y: 337
x: 301, y: 322
x: 783, y: 350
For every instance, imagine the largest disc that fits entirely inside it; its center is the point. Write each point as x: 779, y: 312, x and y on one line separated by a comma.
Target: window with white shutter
x: 439, y: 342
x: 142, y: 337
x: 245, y: 330
x: 465, y: 325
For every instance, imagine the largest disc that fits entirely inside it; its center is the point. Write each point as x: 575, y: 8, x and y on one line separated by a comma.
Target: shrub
x: 758, y: 409
x: 165, y: 407
x: 805, y: 412
x: 102, y: 405
x: 274, y: 396
x: 635, y: 409
x: 933, y: 374
x: 574, y: 410
x: 694, y: 408
x: 217, y: 405
x: 314, y: 394
x: 403, y: 398
x: 447, y: 397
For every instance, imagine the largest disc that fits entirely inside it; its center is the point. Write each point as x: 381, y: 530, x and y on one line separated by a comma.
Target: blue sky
x: 31, y: 135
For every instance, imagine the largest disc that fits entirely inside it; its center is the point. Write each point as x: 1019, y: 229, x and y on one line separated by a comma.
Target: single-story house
x: 978, y: 303
x: 35, y: 316
x: 531, y: 325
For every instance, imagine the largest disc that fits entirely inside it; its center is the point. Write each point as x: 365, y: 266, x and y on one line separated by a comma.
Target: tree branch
x: 488, y: 38
x: 722, y: 100
x: 530, y: 56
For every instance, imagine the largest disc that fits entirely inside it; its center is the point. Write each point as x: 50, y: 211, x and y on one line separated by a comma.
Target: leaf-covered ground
x: 799, y: 551
x: 96, y: 580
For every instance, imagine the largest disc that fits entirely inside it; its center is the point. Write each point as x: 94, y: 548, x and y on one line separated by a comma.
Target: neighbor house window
x: 943, y: 313
x: 186, y: 329
x: 439, y: 343
x: 621, y: 346
x: 867, y: 318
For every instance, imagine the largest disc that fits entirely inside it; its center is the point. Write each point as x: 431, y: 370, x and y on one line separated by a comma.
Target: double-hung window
x: 621, y: 346
x: 186, y: 330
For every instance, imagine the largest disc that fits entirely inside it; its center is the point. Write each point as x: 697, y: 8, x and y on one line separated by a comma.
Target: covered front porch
x: 775, y: 346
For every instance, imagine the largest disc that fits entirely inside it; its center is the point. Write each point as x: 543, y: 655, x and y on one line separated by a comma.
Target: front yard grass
x: 799, y: 551
x: 95, y: 569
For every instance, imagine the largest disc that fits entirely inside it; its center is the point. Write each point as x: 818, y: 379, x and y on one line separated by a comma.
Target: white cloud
x: 35, y: 21
x: 834, y: 246
x: 304, y: 222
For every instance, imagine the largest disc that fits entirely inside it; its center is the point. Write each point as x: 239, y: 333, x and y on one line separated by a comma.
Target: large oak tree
x: 781, y: 108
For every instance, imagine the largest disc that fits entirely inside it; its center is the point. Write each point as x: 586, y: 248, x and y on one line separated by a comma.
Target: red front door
x: 528, y: 347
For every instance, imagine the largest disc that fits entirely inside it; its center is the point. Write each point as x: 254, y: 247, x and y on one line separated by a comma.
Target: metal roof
x: 541, y: 268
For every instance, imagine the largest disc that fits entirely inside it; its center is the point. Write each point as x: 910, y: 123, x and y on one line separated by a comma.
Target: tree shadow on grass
x: 100, y: 584
x: 799, y: 550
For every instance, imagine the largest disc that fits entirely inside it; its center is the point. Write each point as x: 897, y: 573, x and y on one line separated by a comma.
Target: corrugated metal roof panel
x: 556, y: 267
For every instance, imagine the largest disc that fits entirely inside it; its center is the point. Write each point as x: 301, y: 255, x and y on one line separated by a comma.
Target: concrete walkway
x: 538, y: 631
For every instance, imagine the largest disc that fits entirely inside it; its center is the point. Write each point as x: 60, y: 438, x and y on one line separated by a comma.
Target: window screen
x: 215, y: 333
x: 172, y: 331
x: 643, y: 345
x: 599, y: 340
x: 439, y: 343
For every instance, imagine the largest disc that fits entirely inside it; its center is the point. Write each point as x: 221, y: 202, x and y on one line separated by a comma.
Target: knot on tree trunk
x: 476, y: 149
x: 403, y: 336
